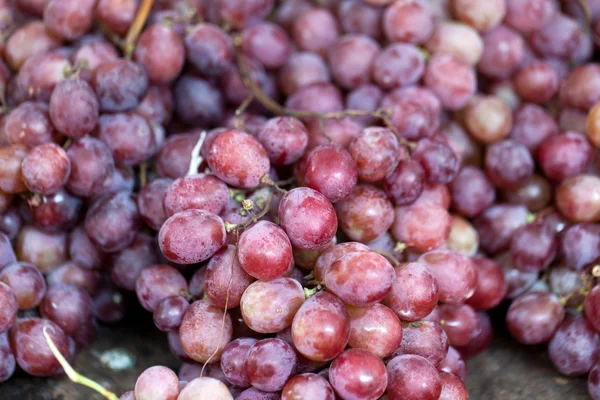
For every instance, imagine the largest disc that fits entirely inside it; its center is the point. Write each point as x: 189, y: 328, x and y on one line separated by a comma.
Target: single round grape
x: 360, y: 278
x: 439, y: 162
x: 308, y: 218
x: 503, y: 51
x: 191, y: 236
x: 321, y: 327
x: 360, y: 17
x: 533, y: 247
x: 508, y: 164
x: 333, y: 254
x: 410, y: 22
x: 68, y: 306
x: 129, y: 136
x: 592, y: 307
x: 160, y: 39
x: 203, y: 192
x: 26, y: 41
x: 565, y: 155
x: 416, y: 111
x: 317, y: 97
x: 70, y: 19
x: 157, y: 383
x: 39, y: 75
x: 197, y: 101
x: 173, y: 158
x: 268, y: 43
x: 412, y: 377
x: 303, y: 68
x: 8, y: 310
x: 575, y: 346
x: 269, y: 364
x: 82, y: 251
x: 399, y: 64
x: 112, y: 222
x: 535, y: 193
x: 209, y: 49
x: 169, y: 313
x: 264, y: 251
x: 120, y: 85
x: 238, y: 159
x: 269, y: 307
x: 532, y: 125
x: 150, y: 202
x: 482, y: 339
x: 225, y: 280
x: 284, y: 139
x: 358, y: 374
x: 93, y: 54
x: 92, y: 166
x: 426, y: 339
x: 451, y: 80
x: 158, y: 282
x: 203, y: 333
x: 460, y: 322
x: 365, y: 214
x: 452, y: 387
x: 26, y: 282
x: 472, y: 192
x: 460, y: 40
x: 348, y: 69
x: 233, y: 361
x: 580, y: 88
x: 42, y: 249
x: 491, y: 284
x: 29, y: 124
x: 331, y: 171
x: 533, y: 318
x: 455, y: 274
x: 463, y: 237
x: 10, y: 225
x: 405, y: 184
x: 81, y: 115
x: 497, y: 225
x: 421, y: 226
x: 578, y: 198
x: 482, y: 16
x: 73, y: 274
x: 56, y: 212
x: 315, y: 30
x: 560, y: 37
x: 537, y: 82
x: 31, y: 350
x: 529, y: 15
x: 46, y: 168
x: 374, y: 328
x: 205, y: 388
x: 376, y: 152
x: 307, y: 386
x: 488, y: 119
x: 414, y: 292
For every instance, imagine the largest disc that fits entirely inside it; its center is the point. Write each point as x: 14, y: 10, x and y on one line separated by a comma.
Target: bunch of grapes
x: 315, y: 199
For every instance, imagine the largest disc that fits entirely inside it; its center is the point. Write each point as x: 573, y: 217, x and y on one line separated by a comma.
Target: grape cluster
x: 314, y: 199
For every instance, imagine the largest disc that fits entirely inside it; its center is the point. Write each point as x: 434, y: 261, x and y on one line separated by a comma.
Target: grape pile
x: 315, y: 199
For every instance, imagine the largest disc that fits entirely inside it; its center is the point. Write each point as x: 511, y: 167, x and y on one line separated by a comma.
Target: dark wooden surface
x: 507, y: 371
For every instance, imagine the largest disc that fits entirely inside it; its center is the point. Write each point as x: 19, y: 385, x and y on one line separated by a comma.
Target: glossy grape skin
x: 410, y: 22
x: 488, y: 119
x: 233, y: 361
x: 92, y: 166
x: 537, y: 82
x: 360, y: 17
x: 374, y: 328
x: 255, y: 38
x: 376, y: 152
x: 426, y: 339
x: 533, y: 318
x: 460, y: 322
x: 156, y: 383
x: 529, y: 15
x: 578, y: 198
x: 269, y: 364
x: 284, y: 139
x: 68, y: 306
x: 46, y: 169
x: 455, y: 364
x: 415, y: 111
x: 438, y: 161
x: 205, y: 388
x: 11, y: 177
x: 57, y: 212
x: 73, y: 274
x: 532, y: 125
x: 503, y: 50
x: 308, y: 218
x: 201, y: 191
x: 358, y: 374
x: 460, y: 40
x: 10, y: 223
x: 200, y: 331
x: 412, y: 377
x: 169, y: 313
x: 238, y: 159
x: 333, y: 254
x: 209, y: 49
x: 38, y: 76
x: 129, y: 136
x: 37, y: 39
x: 68, y: 20
x: 452, y: 387
x: 575, y: 346
x: 421, y: 226
x: 150, y: 202
x: 414, y: 292
x: 497, y: 225
x: 399, y: 64
x: 565, y: 155
x: 173, y: 158
x: 315, y: 30
x: 9, y: 309
x: 83, y: 251
x: 158, y: 105
x: 472, y: 192
x: 533, y: 247
x: 491, y: 284
x: 508, y: 164
x: 160, y: 39
x: 482, y: 16
x: 331, y: 171
x: 191, y: 236
x: 321, y: 327
x: 453, y: 93
x: 302, y: 69
x: 455, y: 273
x: 225, y: 280
x: 405, y: 184
x: 360, y: 278
x: 579, y: 88
x: 350, y: 59
x: 310, y: 385
x: 158, y: 282
x: 81, y: 116
x: 29, y: 124
x: 365, y: 214
x: 30, y: 349
x: 285, y: 296
x: 120, y: 85
x: 42, y: 249
x: 112, y: 222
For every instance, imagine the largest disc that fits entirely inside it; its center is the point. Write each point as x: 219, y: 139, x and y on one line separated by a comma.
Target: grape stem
x: 136, y: 27
x: 389, y: 256
x: 74, y: 375
x: 382, y: 114
x: 196, y: 159
x: 143, y: 174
